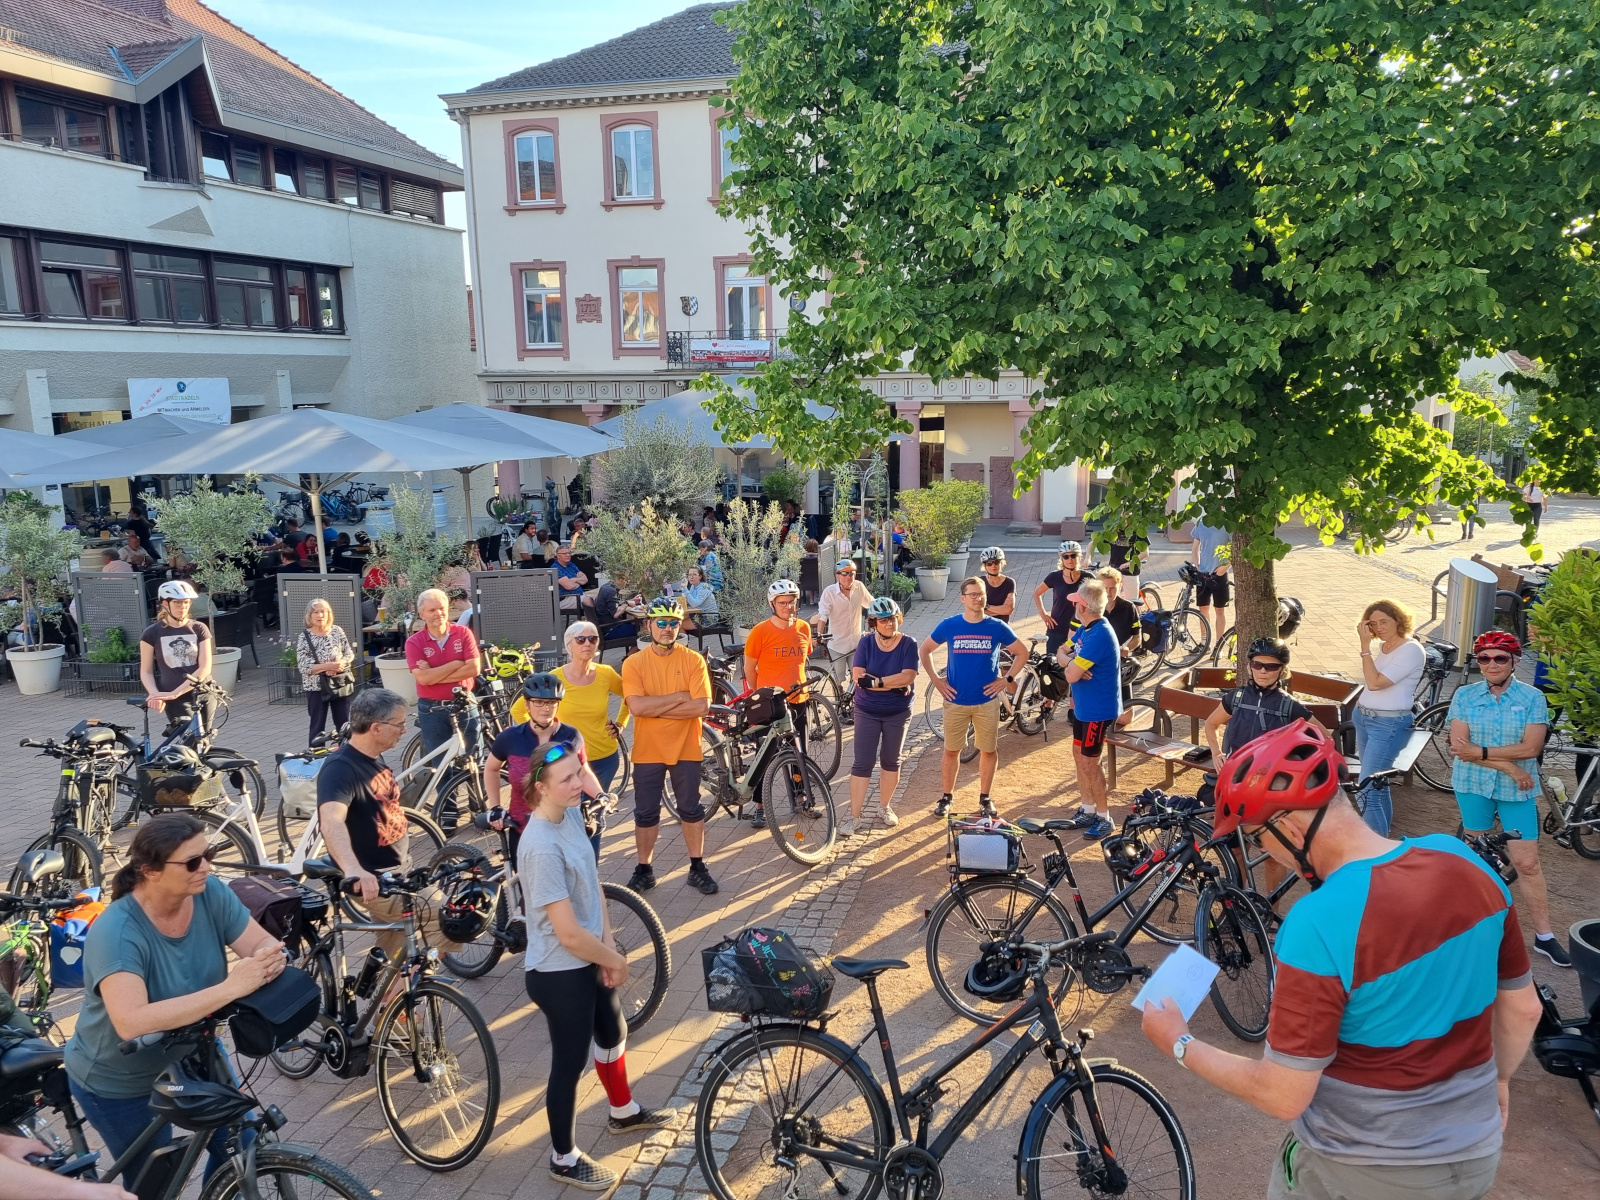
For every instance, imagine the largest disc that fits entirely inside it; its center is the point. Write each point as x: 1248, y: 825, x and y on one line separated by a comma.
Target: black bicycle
x: 824, y: 740
x: 789, y: 1110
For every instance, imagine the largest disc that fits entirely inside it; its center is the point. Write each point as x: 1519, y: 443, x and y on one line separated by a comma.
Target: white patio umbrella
x: 520, y: 436
x: 136, y: 433
x: 21, y: 451
x: 329, y: 447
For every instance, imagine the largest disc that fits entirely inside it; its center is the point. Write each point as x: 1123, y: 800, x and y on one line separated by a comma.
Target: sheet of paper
x: 1185, y: 976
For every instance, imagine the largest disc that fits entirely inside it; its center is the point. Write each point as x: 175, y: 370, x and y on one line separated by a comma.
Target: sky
x: 396, y: 57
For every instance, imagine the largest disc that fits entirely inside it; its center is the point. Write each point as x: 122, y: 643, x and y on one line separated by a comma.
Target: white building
x: 179, y: 201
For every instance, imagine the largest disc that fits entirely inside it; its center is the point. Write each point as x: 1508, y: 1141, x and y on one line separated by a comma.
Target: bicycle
x: 824, y: 740
x: 787, y: 1109
x: 1574, y: 822
x: 438, y: 1073
x: 1431, y: 715
x: 1290, y: 614
x: 841, y: 693
x: 933, y: 725
x: 490, y: 885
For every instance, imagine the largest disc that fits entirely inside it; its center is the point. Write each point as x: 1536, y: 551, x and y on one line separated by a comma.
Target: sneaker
x: 700, y: 879
x: 585, y: 1173
x: 890, y: 817
x: 986, y: 808
x: 1097, y: 829
x: 645, y: 1118
x: 1552, y: 949
x: 759, y: 821
x: 1085, y: 818
x: 847, y: 827
x: 942, y: 808
x: 643, y: 879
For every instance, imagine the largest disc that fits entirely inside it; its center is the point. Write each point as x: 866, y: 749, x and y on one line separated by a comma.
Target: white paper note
x: 1185, y: 976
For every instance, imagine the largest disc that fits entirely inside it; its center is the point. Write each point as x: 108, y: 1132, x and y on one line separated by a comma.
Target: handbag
x: 340, y: 684
x: 275, y: 1013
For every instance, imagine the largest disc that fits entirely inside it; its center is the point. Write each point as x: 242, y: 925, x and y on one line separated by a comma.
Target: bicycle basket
x: 762, y: 706
x: 1155, y: 628
x: 297, y: 784
x: 980, y: 847
x: 765, y: 972
x: 162, y: 787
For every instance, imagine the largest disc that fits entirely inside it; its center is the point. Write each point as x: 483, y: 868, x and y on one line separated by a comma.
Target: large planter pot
x: 396, y: 676
x: 38, y: 670
x: 957, y: 563
x: 741, y: 634
x: 932, y: 582
x: 225, y: 666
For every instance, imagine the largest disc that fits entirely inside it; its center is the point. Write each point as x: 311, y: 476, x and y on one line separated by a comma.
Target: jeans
x: 605, y: 770
x: 1379, y: 740
x: 119, y: 1122
x: 433, y: 717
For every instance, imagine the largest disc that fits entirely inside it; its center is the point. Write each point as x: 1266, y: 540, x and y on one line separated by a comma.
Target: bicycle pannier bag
x: 984, y: 849
x: 297, y: 784
x: 1053, y: 680
x: 765, y: 972
x: 275, y: 1013
x: 274, y: 903
x: 68, y: 931
x: 762, y: 706
x: 1156, y: 627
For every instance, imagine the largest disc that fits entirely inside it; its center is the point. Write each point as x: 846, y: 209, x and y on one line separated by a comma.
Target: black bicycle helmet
x: 193, y: 1103
x: 542, y: 685
x: 996, y: 978
x: 1271, y: 648
x: 1290, y: 613
x: 465, y: 915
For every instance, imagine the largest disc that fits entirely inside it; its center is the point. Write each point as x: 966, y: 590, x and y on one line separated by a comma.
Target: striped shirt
x: 1387, y: 979
x: 1497, y: 721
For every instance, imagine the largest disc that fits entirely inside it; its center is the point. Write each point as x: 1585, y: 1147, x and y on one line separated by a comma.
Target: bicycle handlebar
x: 194, y: 1031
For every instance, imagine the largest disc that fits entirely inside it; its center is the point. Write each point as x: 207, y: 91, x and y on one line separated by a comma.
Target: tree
x: 218, y: 531
x: 413, y: 556
x: 661, y: 462
x: 752, y: 555
x: 1565, y: 629
x: 642, y: 560
x: 36, y: 555
x: 1245, y: 238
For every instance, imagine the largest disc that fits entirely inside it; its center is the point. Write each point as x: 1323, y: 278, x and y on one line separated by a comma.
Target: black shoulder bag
x: 336, y: 686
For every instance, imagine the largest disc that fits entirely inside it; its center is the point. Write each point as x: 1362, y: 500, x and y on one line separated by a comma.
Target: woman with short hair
x: 1391, y: 668
x: 322, y: 650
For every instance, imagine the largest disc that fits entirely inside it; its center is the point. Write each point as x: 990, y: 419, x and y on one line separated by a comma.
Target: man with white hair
x: 442, y: 656
x: 1093, y: 663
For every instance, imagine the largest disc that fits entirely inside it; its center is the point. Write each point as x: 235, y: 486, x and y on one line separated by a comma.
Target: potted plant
x: 217, y: 532
x: 936, y: 518
x: 283, y: 677
x: 904, y: 589
x: 664, y: 462
x: 112, y: 660
x: 645, y: 559
x: 752, y: 557
x: 414, y: 557
x: 36, y: 555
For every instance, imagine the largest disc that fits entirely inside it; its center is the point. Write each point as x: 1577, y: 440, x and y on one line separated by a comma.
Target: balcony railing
x: 722, y: 349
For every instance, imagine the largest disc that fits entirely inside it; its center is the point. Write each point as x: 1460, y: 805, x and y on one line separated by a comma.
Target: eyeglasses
x: 665, y: 624
x: 192, y: 865
x: 588, y: 639
x: 395, y: 724
x: 970, y: 595
x: 1274, y: 667
x: 845, y: 571
x: 1498, y: 660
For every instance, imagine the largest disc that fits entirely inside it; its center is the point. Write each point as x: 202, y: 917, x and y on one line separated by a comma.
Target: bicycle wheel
x: 229, y: 843
x: 821, y: 679
x: 993, y: 909
x: 624, y: 777
x: 1229, y: 931
x: 1189, y: 640
x: 1172, y: 920
x: 1150, y: 596
x: 423, y: 837
x: 1028, y: 713
x: 1434, y: 763
x: 1227, y: 649
x: 98, y: 812
x: 799, y: 806
x: 443, y: 1120
x: 1144, y: 717
x: 300, y: 1058
x: 250, y: 776
x: 81, y: 869
x: 824, y: 735
x: 412, y: 752
x: 285, y: 1172
x: 460, y: 796
x: 777, y: 1091
x: 1063, y: 1152
x: 1585, y: 828
x: 643, y: 942
x: 477, y: 957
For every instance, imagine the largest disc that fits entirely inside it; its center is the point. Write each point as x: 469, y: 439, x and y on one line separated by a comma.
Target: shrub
x: 414, y: 556
x: 1565, y: 629
x: 902, y: 587
x: 937, y: 518
x: 113, y: 647
x: 217, y: 532
x: 642, y: 560
x: 36, y: 555
x: 782, y: 484
x: 663, y: 463
x: 751, y: 559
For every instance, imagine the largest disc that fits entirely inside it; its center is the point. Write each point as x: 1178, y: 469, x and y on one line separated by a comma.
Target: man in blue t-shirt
x: 971, y: 687
x: 1093, y: 662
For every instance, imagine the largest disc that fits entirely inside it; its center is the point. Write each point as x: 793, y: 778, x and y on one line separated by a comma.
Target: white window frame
x: 541, y: 289
x: 630, y: 165
x: 532, y: 136
x: 623, y: 291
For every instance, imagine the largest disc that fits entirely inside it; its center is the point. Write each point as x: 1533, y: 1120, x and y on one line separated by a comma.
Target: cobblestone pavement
x: 868, y: 899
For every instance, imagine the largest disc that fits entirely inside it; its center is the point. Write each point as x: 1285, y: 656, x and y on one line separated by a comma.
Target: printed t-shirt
x: 974, y: 654
x: 375, y: 820
x: 1098, y: 695
x: 1387, y: 979
x: 995, y: 593
x: 517, y: 747
x: 875, y: 660
x: 648, y: 673
x: 177, y: 651
x: 422, y: 650
x: 1062, y: 589
x: 556, y: 862
x: 780, y: 655
x: 1496, y: 721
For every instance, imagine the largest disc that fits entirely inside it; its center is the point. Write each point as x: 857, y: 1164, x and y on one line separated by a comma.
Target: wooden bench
x: 1159, y: 743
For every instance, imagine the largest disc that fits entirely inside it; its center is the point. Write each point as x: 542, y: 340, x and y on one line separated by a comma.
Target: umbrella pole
x: 315, y: 492
x: 466, y: 496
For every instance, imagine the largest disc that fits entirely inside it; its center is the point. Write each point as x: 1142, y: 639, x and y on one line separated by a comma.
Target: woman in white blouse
x: 1391, y: 667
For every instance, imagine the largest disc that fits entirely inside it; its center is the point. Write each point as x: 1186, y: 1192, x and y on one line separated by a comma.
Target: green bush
x: 112, y: 647
x: 784, y: 483
x: 751, y: 558
x: 642, y: 560
x: 1565, y: 629
x: 939, y: 517
x: 902, y: 587
x: 664, y: 463
x: 35, y: 554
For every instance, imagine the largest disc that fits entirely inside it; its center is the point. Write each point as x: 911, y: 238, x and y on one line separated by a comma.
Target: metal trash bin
x: 1469, y: 605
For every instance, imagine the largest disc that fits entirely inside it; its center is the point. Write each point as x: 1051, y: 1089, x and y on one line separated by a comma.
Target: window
x: 82, y: 282
x: 245, y: 294
x: 248, y: 164
x: 214, y: 155
x: 413, y: 199
x: 313, y: 178
x: 283, y: 172
x: 541, y: 308
x: 330, y: 315
x: 163, y: 127
x: 726, y: 138
x: 745, y: 297
x: 639, y: 303
x: 63, y: 123
x: 536, y: 168
x: 344, y: 184
x: 169, y: 287
x: 633, y: 163
x: 10, y: 284
x: 298, y: 289
x: 372, y: 190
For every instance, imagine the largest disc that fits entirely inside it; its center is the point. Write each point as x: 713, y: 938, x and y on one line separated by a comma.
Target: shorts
x: 1301, y: 1173
x: 1478, y: 813
x: 1211, y: 592
x: 649, y: 781
x: 1089, y: 736
x: 985, y: 722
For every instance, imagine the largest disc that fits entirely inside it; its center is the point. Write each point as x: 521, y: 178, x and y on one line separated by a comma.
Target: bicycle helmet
x: 1070, y: 548
x: 509, y: 663
x: 1290, y: 613
x: 465, y: 915
x: 991, y: 554
x: 177, y: 758
x: 177, y: 589
x: 1274, y: 648
x: 996, y: 977
x: 1296, y: 767
x: 192, y: 1103
x: 783, y: 587
x: 665, y: 606
x: 1498, y: 639
x: 542, y: 685
x: 883, y: 606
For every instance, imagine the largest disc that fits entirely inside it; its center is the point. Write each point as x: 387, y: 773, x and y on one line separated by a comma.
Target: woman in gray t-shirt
x: 574, y: 967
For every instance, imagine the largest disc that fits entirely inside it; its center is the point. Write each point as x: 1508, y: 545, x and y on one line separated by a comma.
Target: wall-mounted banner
x: 196, y: 399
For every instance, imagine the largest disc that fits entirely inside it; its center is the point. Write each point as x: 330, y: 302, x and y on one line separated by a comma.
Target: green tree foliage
x: 217, y: 530
x: 662, y: 462
x: 642, y: 560
x: 35, y: 555
x: 1566, y: 625
x: 938, y: 517
x: 1246, y: 237
x: 752, y: 555
x: 1510, y: 425
x: 784, y: 483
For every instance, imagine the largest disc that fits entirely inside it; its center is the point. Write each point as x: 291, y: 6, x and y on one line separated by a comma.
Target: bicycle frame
x: 331, y: 945
x: 725, y: 745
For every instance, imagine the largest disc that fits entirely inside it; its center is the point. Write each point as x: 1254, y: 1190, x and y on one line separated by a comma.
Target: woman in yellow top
x: 587, y: 703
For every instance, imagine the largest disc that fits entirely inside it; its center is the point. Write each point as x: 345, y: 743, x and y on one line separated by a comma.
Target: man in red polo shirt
x: 442, y: 657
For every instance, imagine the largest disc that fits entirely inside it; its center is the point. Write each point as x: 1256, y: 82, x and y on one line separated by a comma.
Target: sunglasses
x: 664, y: 624
x: 588, y: 639
x: 556, y: 752
x: 192, y: 865
x: 1069, y: 556
x: 1498, y: 660
x: 1266, y: 666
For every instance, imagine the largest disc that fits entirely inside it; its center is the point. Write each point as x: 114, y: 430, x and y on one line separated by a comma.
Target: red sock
x: 612, y: 1067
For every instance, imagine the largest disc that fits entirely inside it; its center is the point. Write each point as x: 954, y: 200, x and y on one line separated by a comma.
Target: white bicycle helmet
x: 992, y: 554
x: 177, y: 589
x: 783, y: 587
x: 1070, y: 548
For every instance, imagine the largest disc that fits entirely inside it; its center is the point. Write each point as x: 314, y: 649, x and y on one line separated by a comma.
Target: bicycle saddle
x: 323, y: 868
x: 37, y: 864
x: 228, y: 764
x: 1029, y: 825
x: 30, y: 1057
x: 867, y: 968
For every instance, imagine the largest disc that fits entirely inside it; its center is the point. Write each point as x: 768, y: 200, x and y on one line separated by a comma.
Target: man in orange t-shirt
x: 775, y: 655
x: 667, y: 689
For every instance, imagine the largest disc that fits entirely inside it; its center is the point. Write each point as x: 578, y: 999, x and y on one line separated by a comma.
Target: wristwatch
x: 1180, y: 1048
x: 1485, y: 756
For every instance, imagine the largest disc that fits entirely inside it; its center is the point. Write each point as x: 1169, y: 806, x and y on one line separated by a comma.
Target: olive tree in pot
x: 643, y: 560
x: 752, y: 557
x: 414, y: 557
x: 937, y: 518
x: 217, y: 532
x: 36, y: 556
x: 662, y: 462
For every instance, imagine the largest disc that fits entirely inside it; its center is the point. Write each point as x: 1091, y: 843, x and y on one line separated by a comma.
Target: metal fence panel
x: 342, y: 592
x: 108, y: 601
x: 518, y: 608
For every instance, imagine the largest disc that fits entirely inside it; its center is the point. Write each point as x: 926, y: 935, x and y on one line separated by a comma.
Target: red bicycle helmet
x: 1294, y: 767
x: 1498, y: 639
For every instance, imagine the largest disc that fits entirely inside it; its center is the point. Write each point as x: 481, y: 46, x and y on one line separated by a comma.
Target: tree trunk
x: 1255, y: 600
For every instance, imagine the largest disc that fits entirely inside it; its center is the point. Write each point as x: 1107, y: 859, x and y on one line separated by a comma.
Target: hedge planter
x: 38, y: 670
x: 932, y: 582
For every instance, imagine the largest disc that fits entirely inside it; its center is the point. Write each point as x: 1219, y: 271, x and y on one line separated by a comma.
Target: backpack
x: 1053, y: 679
x: 766, y: 972
x: 1156, y: 627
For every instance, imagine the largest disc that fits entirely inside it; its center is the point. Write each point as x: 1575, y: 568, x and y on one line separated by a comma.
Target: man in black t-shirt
x: 1062, y: 583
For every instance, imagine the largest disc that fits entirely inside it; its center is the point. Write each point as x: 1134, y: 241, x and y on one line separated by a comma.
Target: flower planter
x: 396, y: 676
x: 283, y: 685
x: 957, y: 564
x: 83, y: 677
x: 932, y: 582
x: 38, y: 670
x: 225, y: 666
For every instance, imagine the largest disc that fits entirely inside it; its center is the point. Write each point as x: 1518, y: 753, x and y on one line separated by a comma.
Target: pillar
x: 594, y: 414
x: 813, y: 501
x: 911, y: 447
x: 34, y: 414
x: 285, y: 392
x: 1024, y: 508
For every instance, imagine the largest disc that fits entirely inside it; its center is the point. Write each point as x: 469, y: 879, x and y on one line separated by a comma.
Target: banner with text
x: 196, y: 399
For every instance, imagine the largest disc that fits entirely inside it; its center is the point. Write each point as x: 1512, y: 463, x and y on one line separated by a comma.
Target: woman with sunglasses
x: 1382, y: 716
x: 156, y: 959
x: 573, y: 966
x: 885, y: 671
x: 1497, y: 730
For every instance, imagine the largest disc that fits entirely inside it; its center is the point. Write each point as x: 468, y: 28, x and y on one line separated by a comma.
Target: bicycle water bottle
x: 375, y: 961
x: 1559, y: 786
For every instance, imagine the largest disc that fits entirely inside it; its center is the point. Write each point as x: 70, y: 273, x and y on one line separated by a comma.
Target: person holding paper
x: 1404, y: 1000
